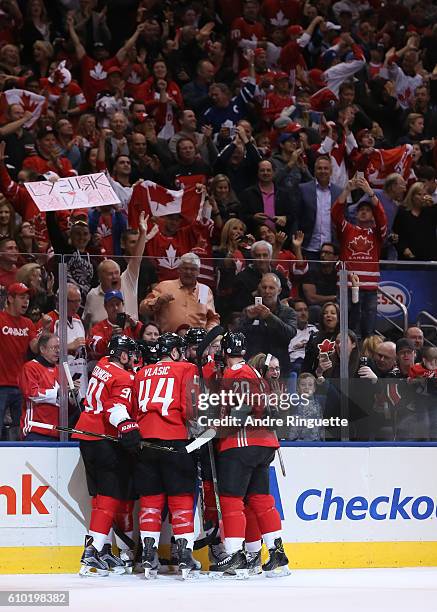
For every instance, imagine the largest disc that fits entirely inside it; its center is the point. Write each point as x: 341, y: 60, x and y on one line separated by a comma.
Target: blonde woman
x: 227, y: 202
x: 370, y: 345
x: 230, y: 258
x: 416, y: 225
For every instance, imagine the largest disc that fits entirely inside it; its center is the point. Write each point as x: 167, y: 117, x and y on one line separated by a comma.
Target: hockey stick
x: 278, y: 450
x: 209, y: 338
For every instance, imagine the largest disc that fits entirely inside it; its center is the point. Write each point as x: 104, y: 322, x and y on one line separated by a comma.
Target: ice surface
x: 354, y: 590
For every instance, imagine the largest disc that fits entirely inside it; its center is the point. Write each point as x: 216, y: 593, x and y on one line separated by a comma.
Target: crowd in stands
x: 307, y: 129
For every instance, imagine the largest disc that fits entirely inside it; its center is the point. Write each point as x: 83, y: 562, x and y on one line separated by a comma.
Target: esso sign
x: 399, y: 292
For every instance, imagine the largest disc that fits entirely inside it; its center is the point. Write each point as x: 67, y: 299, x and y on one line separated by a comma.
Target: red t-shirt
x: 16, y: 333
x: 160, y: 401
x: 41, y: 166
x: 7, y: 277
x: 110, y: 386
x: 39, y: 385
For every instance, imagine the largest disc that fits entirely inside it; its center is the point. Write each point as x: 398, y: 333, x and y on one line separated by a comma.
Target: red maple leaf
x: 327, y: 346
x: 159, y: 195
x: 360, y: 244
x: 28, y: 103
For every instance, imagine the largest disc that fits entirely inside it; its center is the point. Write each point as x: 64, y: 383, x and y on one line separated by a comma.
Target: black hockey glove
x: 129, y: 435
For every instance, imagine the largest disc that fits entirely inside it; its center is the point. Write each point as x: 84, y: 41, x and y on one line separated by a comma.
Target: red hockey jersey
x: 109, y: 394
x: 161, y: 396
x: 248, y: 384
x: 16, y: 333
x: 39, y: 385
x: 361, y: 247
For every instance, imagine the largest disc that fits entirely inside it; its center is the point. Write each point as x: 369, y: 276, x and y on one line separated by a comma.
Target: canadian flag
x: 158, y: 201
x: 29, y: 101
x: 383, y: 162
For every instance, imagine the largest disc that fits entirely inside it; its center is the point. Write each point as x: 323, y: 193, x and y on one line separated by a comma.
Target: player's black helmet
x: 122, y: 344
x: 167, y: 342
x: 195, y: 335
x: 234, y: 344
x: 149, y: 351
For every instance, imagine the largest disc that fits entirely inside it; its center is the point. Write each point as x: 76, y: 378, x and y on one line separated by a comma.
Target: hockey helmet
x: 167, y: 342
x: 122, y: 344
x: 149, y: 351
x: 234, y: 344
x: 195, y: 335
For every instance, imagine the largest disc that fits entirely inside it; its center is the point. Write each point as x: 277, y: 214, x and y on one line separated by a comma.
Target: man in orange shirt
x: 183, y: 300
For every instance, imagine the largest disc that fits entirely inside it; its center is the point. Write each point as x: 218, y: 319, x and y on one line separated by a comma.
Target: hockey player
x: 107, y: 463
x: 243, y: 471
x: 160, y: 407
x: 193, y: 337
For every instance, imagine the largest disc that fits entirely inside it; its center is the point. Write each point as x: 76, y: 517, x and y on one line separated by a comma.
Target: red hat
x: 259, y: 51
x: 361, y: 134
x: 316, y: 75
x: 113, y: 70
x: 293, y: 128
x: 295, y: 30
x: 18, y: 289
x: 279, y: 76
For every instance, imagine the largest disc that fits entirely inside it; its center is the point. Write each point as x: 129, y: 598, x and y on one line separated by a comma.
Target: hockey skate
x: 217, y: 553
x: 236, y: 562
x: 128, y: 558
x: 277, y: 565
x: 91, y: 563
x: 150, y: 561
x: 115, y: 564
x: 187, y: 565
x: 254, y: 563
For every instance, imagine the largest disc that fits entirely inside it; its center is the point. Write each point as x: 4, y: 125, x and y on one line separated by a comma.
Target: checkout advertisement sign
x: 335, y: 495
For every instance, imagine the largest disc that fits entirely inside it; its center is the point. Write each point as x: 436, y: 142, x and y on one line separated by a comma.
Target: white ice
x: 354, y: 590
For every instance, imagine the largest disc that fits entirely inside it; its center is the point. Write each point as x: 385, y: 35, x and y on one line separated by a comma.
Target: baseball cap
x: 286, y: 136
x: 281, y: 122
x: 45, y: 131
x: 110, y: 295
x: 259, y: 51
x: 113, y: 70
x: 18, y: 289
x: 279, y: 76
x: 295, y: 30
x: 404, y: 343
x: 316, y: 75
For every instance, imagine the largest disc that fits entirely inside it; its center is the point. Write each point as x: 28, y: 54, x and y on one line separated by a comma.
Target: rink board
x: 342, y: 506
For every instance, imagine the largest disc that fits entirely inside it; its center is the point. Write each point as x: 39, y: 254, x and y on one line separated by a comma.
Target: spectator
x: 323, y: 340
x: 226, y: 110
x: 183, y: 300
x: 188, y: 164
x: 20, y: 142
x: 203, y: 141
x: 288, y: 163
x: 270, y: 325
x: 265, y: 203
x: 320, y: 284
x: 18, y: 335
x: 296, y: 348
x: 117, y: 322
x: 314, y: 208
x: 111, y: 280
x: 8, y: 262
x: 370, y: 346
x: 27, y: 243
x: 223, y: 194
x: 196, y: 92
x: 416, y: 225
x: 415, y: 334
x: 360, y: 249
x: 77, y: 357
x: 42, y: 298
x: 7, y: 219
x: 39, y: 386
x: 47, y: 159
x: 246, y: 282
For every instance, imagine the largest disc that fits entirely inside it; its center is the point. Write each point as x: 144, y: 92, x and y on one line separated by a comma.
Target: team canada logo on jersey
x: 98, y: 73
x: 280, y: 20
x: 360, y: 245
x: 327, y: 346
x: 171, y: 261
